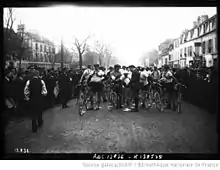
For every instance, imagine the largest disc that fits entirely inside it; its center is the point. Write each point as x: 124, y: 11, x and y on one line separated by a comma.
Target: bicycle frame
x: 113, y: 97
x: 83, y: 98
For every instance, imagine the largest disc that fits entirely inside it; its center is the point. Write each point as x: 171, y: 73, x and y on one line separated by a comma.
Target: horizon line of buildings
x: 192, y: 45
x: 38, y: 49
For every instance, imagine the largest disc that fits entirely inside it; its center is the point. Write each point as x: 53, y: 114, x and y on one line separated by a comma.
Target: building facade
x: 165, y: 54
x: 38, y: 48
x: 195, y: 44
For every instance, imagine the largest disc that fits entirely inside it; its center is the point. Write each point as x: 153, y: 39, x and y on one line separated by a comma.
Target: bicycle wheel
x: 82, y: 108
x: 113, y: 99
x: 158, y: 102
x: 144, y: 100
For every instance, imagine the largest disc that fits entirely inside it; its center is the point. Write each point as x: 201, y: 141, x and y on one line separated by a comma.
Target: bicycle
x: 83, y: 99
x: 178, y: 87
x: 144, y: 97
x: 113, y: 97
x: 155, y: 94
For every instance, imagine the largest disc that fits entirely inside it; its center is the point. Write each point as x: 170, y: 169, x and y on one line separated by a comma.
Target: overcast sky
x: 130, y: 31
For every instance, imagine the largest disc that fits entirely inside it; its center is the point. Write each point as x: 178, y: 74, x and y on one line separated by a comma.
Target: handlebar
x: 182, y: 85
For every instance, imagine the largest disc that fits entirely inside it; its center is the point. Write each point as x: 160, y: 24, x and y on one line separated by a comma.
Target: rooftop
x: 192, y: 29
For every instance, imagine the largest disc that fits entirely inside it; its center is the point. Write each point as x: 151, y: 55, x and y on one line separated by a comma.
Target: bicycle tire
x: 113, y: 100
x: 82, y: 106
x: 145, y: 100
x: 159, y: 104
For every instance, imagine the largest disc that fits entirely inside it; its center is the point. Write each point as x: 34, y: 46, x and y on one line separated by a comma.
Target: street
x: 64, y: 131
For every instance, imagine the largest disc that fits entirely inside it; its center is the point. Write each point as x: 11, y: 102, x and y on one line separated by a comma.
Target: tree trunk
x: 100, y: 60
x: 80, y: 61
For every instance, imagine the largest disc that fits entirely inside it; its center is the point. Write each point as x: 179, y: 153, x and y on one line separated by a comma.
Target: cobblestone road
x: 193, y: 131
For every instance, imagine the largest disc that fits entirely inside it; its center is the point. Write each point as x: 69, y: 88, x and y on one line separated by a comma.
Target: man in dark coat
x: 135, y: 86
x: 19, y: 85
x: 64, y: 81
x: 50, y: 84
x: 9, y: 104
x: 34, y: 91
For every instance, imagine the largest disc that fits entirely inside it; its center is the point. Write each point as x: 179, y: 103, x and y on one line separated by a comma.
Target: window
x: 198, y: 30
x: 185, y: 52
x: 203, y: 47
x: 196, y: 50
x: 190, y: 51
x: 210, y: 25
x: 210, y: 46
x: 166, y: 61
x: 36, y: 45
x: 49, y: 49
x: 205, y: 27
x: 215, y: 45
x: 192, y: 32
x: 181, y: 51
x: 214, y: 24
x: 41, y: 48
x: 45, y: 48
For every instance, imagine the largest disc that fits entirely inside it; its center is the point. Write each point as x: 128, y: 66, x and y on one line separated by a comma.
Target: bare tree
x: 8, y: 24
x: 9, y: 19
x: 104, y: 53
x: 81, y: 48
x: 100, y: 49
x: 108, y: 57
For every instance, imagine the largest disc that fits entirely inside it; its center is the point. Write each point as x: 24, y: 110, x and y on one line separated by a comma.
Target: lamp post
x: 62, y: 52
x: 22, y: 46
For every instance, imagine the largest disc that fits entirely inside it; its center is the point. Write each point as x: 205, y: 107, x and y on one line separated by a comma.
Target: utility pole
x: 62, y: 53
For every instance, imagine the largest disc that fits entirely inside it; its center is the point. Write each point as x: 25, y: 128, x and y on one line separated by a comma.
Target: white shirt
x: 122, y: 71
x: 143, y: 77
x: 87, y: 73
x: 168, y: 76
x: 126, y: 80
x: 209, y: 60
x: 149, y: 72
x: 98, y: 77
x: 129, y: 74
x: 27, y: 92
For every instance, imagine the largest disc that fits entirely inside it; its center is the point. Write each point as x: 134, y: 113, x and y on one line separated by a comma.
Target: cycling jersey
x: 97, y: 76
x: 116, y: 76
x: 122, y: 71
x: 144, y: 77
x: 86, y: 74
x: 168, y: 77
x: 125, y: 79
x: 156, y: 75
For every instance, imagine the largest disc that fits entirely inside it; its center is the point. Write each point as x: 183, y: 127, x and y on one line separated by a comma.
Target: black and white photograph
x: 92, y: 79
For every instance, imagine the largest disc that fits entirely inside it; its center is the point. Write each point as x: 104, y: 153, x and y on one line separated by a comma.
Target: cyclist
x: 116, y: 77
x: 110, y: 71
x: 103, y: 93
x: 135, y: 86
x: 86, y: 74
x: 168, y: 79
x: 155, y: 73
x: 122, y: 70
x: 144, y: 80
x: 95, y: 82
x: 126, y: 90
